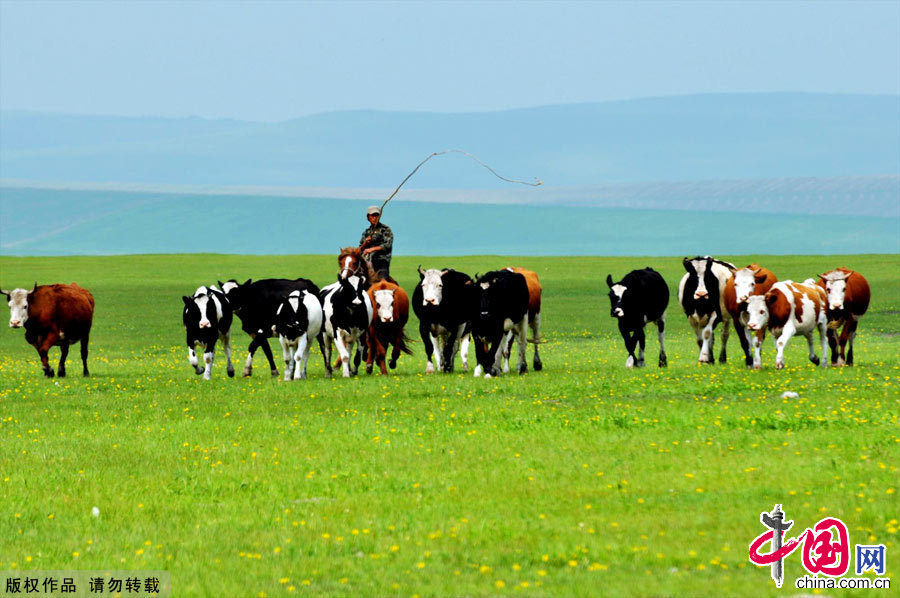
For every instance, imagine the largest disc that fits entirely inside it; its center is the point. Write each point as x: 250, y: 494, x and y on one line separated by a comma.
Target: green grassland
x: 584, y: 479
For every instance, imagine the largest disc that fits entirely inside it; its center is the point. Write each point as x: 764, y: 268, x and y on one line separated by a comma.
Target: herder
x: 377, y: 242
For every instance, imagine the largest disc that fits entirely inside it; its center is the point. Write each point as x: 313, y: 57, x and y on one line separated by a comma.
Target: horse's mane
x: 356, y: 254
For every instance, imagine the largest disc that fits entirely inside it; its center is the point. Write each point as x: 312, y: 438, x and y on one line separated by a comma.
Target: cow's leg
x: 786, y: 333
x: 642, y: 342
x: 326, y: 354
x: 208, y: 355
x: 823, y: 341
x: 43, y: 348
x: 449, y: 350
x: 745, y: 337
x: 505, y: 349
x: 464, y: 347
x: 661, y: 333
x: 63, y: 353
x: 427, y: 343
x: 287, y: 356
x: 812, y: 351
x: 833, y: 345
x: 481, y: 358
x: 535, y: 324
x: 708, y: 341
x: 395, y: 350
x: 439, y: 342
x: 301, y: 356
x: 84, y: 355
x: 343, y: 351
x: 495, y: 354
x: 357, y: 358
x: 630, y: 342
x: 757, y: 340
x: 268, y: 351
x: 193, y: 360
x: 522, y: 341
x: 723, y: 357
x: 226, y: 345
x: 370, y: 352
x: 248, y: 364
x: 850, y: 338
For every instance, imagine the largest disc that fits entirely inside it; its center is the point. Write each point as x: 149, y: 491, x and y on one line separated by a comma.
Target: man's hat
x: 373, y: 210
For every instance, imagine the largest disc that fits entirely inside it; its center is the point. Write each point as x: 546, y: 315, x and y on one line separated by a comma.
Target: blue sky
x: 281, y: 60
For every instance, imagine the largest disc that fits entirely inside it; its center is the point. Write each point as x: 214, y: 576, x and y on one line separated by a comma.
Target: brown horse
x: 352, y: 263
x: 391, y: 306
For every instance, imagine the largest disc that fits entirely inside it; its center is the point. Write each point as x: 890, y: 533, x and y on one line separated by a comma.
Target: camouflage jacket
x: 380, y: 234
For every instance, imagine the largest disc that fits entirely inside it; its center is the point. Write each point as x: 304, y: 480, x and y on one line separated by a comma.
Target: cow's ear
x: 444, y: 271
x: 186, y: 299
x: 760, y: 278
x: 686, y: 262
x: 7, y: 293
x: 421, y: 272
x: 771, y: 298
x: 221, y: 284
x: 609, y: 280
x: 247, y: 282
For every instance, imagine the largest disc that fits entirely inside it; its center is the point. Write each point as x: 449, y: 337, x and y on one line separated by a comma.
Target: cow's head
x: 291, y: 318
x: 384, y: 303
x: 432, y: 285
x: 199, y: 309
x: 235, y: 293
x: 18, y: 305
x: 835, y: 288
x: 616, y: 296
x: 758, y: 310
x: 700, y: 268
x: 745, y: 281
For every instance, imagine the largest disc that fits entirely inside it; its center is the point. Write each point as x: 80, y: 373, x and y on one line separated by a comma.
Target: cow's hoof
x: 839, y: 362
x: 206, y: 376
x: 429, y: 368
x: 641, y: 363
x: 537, y: 365
x: 465, y: 367
x: 85, y: 373
x: 757, y: 367
x: 723, y: 359
x: 478, y: 371
x: 663, y: 362
x: 779, y: 365
x: 198, y: 370
x: 629, y: 363
x: 231, y: 373
x: 495, y: 372
x: 48, y: 373
x: 392, y: 364
x: 815, y: 360
x: 61, y: 372
x: 368, y: 368
x: 487, y: 376
x: 523, y: 369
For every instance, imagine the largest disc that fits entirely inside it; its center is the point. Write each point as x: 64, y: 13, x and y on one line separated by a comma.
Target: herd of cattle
x: 496, y: 309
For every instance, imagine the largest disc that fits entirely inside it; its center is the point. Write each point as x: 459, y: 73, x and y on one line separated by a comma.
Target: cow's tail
x: 403, y: 343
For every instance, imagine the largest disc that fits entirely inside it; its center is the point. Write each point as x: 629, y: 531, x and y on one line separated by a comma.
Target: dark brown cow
x: 848, y: 299
x: 534, y: 313
x: 743, y: 284
x: 391, y: 306
x: 56, y: 314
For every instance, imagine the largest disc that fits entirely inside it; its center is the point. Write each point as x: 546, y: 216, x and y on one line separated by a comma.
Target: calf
x: 444, y: 301
x: 55, y: 314
x: 503, y: 308
x: 348, y: 314
x: 255, y: 303
x: 700, y: 294
x: 848, y: 299
x: 297, y: 321
x: 207, y: 318
x: 391, y: 306
x: 790, y: 308
x: 641, y: 297
x: 746, y: 282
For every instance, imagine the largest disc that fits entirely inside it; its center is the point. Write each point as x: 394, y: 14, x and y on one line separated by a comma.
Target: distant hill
x: 53, y: 222
x: 673, y: 139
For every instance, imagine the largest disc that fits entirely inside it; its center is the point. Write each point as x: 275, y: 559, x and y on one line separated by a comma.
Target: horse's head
x: 350, y: 261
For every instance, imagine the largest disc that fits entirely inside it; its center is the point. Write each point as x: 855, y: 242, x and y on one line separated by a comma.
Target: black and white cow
x: 348, y: 314
x: 445, y: 302
x: 207, y: 318
x: 502, y: 309
x: 641, y: 297
x: 255, y: 303
x: 701, y: 294
x: 298, y: 321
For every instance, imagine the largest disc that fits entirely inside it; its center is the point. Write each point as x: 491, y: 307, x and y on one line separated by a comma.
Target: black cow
x: 348, y: 314
x: 256, y: 304
x: 701, y: 294
x: 641, y: 297
x: 445, y: 302
x: 502, y: 311
x: 207, y: 318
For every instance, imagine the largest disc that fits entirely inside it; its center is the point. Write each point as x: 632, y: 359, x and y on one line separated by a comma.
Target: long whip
x: 457, y: 151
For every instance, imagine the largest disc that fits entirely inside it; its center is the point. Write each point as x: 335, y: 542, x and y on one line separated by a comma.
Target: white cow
x: 298, y: 321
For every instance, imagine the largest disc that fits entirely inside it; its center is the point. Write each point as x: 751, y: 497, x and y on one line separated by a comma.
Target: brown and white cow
x: 534, y: 314
x: 56, y: 314
x: 746, y: 282
x: 790, y: 308
x: 391, y: 314
x: 848, y: 299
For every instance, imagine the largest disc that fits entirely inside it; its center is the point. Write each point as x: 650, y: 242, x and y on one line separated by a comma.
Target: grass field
x: 585, y: 479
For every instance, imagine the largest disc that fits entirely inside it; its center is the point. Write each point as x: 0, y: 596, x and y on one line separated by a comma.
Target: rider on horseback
x: 377, y: 242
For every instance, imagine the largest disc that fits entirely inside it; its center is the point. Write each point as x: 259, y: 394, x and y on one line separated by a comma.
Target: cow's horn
x: 421, y: 271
